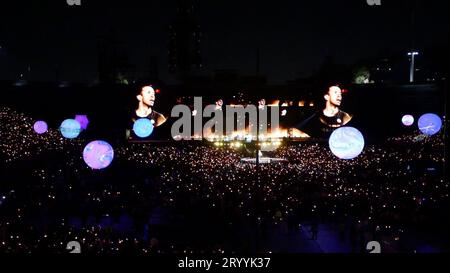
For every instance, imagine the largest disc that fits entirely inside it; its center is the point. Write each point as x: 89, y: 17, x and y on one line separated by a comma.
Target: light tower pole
x: 413, y: 55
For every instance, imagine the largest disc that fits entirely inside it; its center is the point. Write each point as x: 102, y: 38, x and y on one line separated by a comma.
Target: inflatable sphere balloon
x: 408, y: 120
x: 40, y: 127
x: 346, y: 143
x: 70, y: 128
x: 98, y: 154
x: 430, y: 124
x: 143, y: 127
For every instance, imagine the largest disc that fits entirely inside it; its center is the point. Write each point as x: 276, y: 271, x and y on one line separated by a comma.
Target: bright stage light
x: 236, y: 144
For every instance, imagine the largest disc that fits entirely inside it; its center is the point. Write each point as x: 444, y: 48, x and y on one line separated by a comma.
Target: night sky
x: 294, y: 36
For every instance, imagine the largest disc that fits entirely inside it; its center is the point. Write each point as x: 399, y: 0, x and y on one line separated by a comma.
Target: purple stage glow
x: 83, y: 121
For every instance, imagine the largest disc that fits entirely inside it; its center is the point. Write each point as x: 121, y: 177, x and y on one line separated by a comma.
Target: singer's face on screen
x: 147, y: 96
x: 262, y: 102
x: 334, y: 96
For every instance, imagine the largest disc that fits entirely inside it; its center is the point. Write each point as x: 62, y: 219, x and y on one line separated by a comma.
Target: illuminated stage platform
x: 263, y: 160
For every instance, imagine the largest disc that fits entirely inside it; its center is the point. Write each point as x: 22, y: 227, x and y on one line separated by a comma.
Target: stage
x: 263, y: 160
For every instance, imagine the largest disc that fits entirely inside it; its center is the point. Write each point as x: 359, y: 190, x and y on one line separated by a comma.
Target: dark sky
x: 294, y: 36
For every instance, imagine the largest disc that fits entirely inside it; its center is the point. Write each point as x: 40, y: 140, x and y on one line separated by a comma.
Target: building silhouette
x: 185, y: 36
x: 113, y: 60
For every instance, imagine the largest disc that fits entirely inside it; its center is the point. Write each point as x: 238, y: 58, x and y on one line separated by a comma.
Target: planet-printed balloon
x: 408, y: 120
x: 143, y: 127
x: 346, y: 143
x: 40, y: 127
x: 430, y: 124
x: 98, y: 154
x: 70, y: 128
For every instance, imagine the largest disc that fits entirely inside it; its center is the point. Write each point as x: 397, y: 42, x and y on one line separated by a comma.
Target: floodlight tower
x: 413, y: 55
